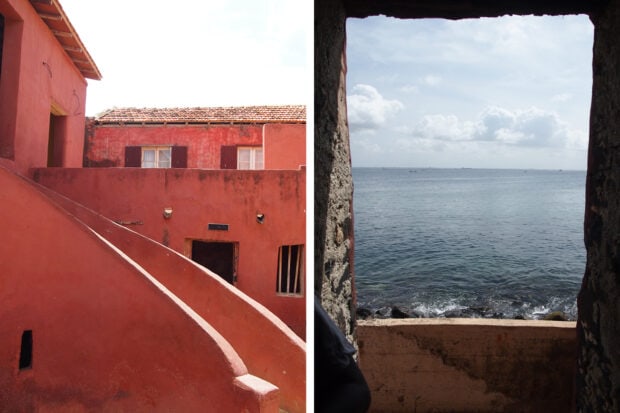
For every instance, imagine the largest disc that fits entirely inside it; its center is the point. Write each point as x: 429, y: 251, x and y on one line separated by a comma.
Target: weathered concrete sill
x: 468, y: 365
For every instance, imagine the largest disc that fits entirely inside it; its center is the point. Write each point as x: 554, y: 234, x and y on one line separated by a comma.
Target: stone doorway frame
x: 598, y: 325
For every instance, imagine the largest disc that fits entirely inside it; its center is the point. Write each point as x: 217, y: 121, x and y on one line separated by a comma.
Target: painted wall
x: 285, y: 144
x: 105, y: 335
x: 197, y: 198
x: 105, y: 144
x: 466, y: 365
x: 37, y: 75
x: 267, y: 346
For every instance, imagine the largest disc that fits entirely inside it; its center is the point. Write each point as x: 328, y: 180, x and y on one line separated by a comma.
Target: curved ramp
x: 102, y: 334
x: 269, y: 348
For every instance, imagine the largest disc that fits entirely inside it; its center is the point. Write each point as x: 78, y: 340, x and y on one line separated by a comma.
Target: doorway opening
x: 56, y: 138
x: 25, y: 354
x: 1, y: 41
x: 469, y: 156
x: 219, y: 257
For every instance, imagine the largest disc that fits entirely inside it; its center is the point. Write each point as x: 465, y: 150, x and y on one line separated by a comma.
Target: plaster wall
x: 285, y: 145
x: 105, y: 335
x: 468, y: 365
x: 38, y: 77
x: 105, y: 144
x: 137, y: 197
x: 267, y: 346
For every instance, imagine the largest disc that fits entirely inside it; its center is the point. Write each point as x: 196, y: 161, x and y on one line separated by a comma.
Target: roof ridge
x: 206, y: 114
x: 204, y: 107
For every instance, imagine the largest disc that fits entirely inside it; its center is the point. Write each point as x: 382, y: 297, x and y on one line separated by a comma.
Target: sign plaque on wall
x: 218, y: 227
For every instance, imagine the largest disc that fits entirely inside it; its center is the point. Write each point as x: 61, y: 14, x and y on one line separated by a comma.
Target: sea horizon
x: 468, y: 242
x: 466, y: 167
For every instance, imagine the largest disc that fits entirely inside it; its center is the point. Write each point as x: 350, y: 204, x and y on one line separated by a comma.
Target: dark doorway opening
x: 1, y: 40
x: 219, y: 257
x: 55, y: 144
x: 25, y: 354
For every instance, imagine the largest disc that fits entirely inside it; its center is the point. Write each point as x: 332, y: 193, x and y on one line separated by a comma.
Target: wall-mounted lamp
x: 167, y: 213
x: 260, y: 218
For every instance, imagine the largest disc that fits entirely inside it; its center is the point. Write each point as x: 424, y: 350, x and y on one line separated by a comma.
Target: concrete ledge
x: 468, y: 365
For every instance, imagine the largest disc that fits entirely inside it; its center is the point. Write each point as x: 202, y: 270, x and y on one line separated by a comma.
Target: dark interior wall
x: 462, y: 9
x: 1, y: 40
x: 332, y: 169
x: 598, y: 381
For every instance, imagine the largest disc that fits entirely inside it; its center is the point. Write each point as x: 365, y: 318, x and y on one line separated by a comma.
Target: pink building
x: 252, y: 233
x: 98, y: 314
x: 43, y: 73
x: 249, y: 137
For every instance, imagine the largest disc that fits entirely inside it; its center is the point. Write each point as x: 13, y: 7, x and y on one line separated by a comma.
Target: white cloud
x: 503, y: 61
x: 444, y: 127
x: 562, y: 97
x: 532, y: 74
x: 368, y: 109
x: 531, y: 127
x: 409, y: 88
x: 431, y: 80
x: 369, y: 146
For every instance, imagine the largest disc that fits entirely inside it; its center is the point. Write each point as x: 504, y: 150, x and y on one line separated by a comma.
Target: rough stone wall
x: 332, y: 163
x: 598, y: 382
x: 598, y: 377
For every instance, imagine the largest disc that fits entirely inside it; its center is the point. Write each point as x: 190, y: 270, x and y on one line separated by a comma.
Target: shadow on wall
x: 76, y: 306
x: 261, y: 339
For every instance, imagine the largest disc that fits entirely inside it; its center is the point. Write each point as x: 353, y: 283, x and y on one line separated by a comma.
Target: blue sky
x: 510, y: 92
x: 154, y: 53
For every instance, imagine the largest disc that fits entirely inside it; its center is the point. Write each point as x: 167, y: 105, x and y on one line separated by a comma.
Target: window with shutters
x: 249, y: 157
x: 156, y: 156
x: 228, y: 157
x: 290, y: 270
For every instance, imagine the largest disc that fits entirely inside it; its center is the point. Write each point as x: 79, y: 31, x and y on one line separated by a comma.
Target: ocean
x: 468, y: 242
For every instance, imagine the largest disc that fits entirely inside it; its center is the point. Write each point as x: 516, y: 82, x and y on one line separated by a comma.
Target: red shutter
x: 179, y: 157
x: 228, y: 158
x: 133, y: 156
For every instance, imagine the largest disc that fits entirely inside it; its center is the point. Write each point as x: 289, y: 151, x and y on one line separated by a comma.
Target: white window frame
x: 256, y: 161
x: 290, y: 278
x: 157, y: 162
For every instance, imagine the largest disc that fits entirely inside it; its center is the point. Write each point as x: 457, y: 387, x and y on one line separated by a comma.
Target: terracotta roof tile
x: 232, y: 114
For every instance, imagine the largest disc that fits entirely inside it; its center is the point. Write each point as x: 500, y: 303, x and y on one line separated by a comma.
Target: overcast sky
x: 156, y: 53
x: 511, y: 92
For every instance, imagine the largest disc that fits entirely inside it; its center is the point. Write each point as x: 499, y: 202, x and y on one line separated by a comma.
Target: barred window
x: 290, y: 270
